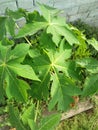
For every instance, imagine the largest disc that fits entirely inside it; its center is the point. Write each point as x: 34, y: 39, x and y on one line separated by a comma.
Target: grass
x: 85, y: 121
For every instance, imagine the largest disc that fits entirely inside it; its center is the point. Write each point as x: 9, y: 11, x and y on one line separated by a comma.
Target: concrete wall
x: 87, y: 10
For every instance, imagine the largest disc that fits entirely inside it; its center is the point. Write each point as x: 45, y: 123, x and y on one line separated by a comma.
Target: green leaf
x: 48, y: 11
x: 25, y: 71
x: 6, y: 41
x: 57, y: 30
x: 90, y: 85
x: 15, y: 119
x: 32, y: 125
x: 7, y: 26
x: 56, y: 37
x: 94, y: 43
x: 2, y: 92
x: 4, y: 53
x: 19, y: 52
x: 50, y: 62
x: 15, y: 14
x: 34, y: 16
x: 2, y: 71
x: 41, y: 65
x: 73, y: 71
x: 34, y: 53
x: 31, y: 28
x: 50, y: 122
x: 10, y: 23
x: 63, y: 88
x: 11, y: 68
x: 16, y: 88
x: 28, y: 114
x: 52, y: 24
x: 59, y: 58
x: 47, y: 44
x: 2, y: 27
x: 90, y: 64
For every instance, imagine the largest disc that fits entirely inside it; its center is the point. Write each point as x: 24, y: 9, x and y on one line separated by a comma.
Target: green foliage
x: 11, y: 67
x: 7, y: 22
x: 50, y: 122
x: 15, y: 119
x: 94, y: 43
x: 89, y: 31
x: 52, y: 24
x: 91, y: 80
x: 52, y: 64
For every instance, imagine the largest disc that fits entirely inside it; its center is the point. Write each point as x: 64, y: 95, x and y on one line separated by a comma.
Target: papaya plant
x: 50, y: 66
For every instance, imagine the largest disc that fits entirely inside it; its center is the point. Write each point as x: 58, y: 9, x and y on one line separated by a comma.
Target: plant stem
x: 37, y: 109
x: 24, y: 37
x: 28, y: 41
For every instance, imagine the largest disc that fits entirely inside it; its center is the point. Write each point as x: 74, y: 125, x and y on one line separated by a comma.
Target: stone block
x: 71, y: 3
x: 25, y: 4
x: 93, y: 5
x: 82, y: 16
x: 47, y: 2
x: 71, y: 11
x: 94, y: 13
x: 92, y: 23
x: 21, y: 22
x: 83, y: 8
x: 62, y: 4
x: 94, y: 18
x: 96, y: 23
x: 11, y: 4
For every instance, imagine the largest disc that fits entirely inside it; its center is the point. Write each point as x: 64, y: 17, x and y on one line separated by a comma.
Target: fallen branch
x: 81, y: 107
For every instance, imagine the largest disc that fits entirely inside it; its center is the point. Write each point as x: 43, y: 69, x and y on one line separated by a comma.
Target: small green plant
x: 89, y: 31
x: 50, y: 65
